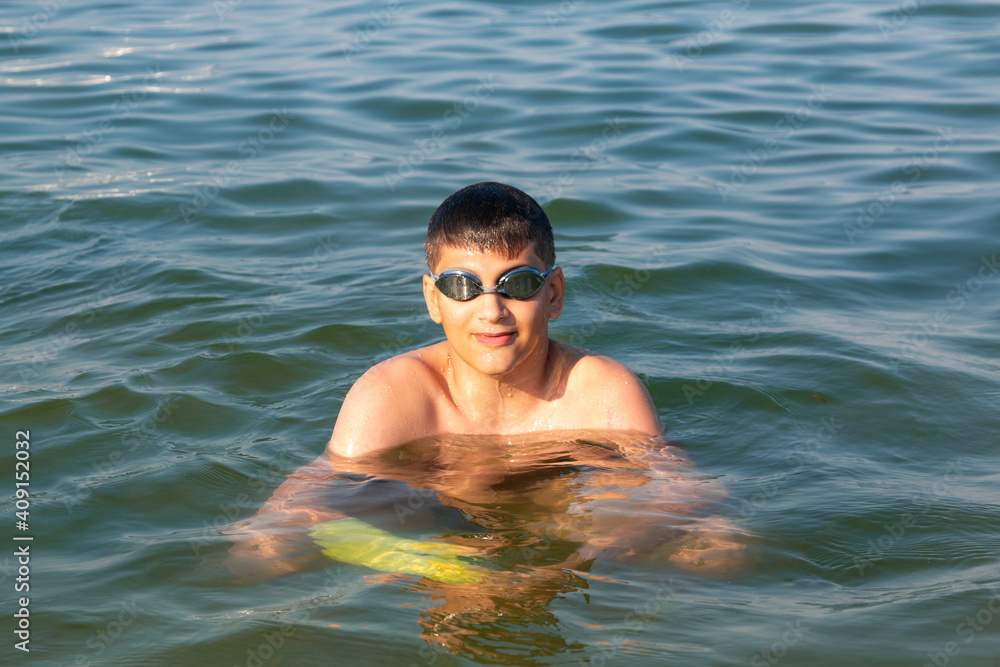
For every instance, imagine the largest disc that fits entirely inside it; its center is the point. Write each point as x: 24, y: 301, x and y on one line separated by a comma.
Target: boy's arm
x: 274, y: 541
x: 671, y: 512
x: 612, y: 397
x: 386, y: 407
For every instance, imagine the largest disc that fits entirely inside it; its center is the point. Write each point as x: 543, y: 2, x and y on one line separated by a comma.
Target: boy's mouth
x: 494, y: 339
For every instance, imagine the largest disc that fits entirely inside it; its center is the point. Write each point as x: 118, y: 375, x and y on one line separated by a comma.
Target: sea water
x: 782, y: 216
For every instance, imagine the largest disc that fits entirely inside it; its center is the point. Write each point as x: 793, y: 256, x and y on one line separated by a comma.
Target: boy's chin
x: 496, y: 370
x: 498, y: 363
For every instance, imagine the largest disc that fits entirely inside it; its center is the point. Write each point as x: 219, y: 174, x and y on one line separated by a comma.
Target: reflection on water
x: 529, y: 516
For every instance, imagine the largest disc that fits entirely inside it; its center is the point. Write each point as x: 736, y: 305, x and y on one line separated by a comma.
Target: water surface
x: 782, y: 216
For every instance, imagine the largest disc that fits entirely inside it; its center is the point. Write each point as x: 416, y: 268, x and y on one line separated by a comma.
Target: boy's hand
x: 709, y: 548
x: 260, y: 555
x: 702, y: 546
x: 273, y: 544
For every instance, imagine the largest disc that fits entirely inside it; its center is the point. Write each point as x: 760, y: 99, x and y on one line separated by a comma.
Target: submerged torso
x: 513, y: 491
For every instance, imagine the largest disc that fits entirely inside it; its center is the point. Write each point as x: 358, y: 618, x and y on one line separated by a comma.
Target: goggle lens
x: 459, y: 288
x: 522, y: 285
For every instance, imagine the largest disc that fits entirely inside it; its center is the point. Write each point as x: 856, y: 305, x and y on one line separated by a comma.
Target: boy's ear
x: 431, y: 299
x: 557, y: 289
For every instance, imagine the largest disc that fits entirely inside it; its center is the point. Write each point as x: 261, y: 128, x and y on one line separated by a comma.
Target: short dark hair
x: 490, y: 217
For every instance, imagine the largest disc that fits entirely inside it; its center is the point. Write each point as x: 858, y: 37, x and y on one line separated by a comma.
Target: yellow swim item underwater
x: 354, y: 541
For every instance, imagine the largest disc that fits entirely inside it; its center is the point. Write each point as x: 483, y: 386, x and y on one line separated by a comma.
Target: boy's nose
x: 492, y: 307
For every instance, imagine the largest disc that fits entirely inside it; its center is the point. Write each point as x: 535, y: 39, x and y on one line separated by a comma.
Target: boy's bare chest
x: 510, y: 417
x: 566, y: 403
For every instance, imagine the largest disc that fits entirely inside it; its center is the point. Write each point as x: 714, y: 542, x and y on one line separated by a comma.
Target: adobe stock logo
x: 967, y: 629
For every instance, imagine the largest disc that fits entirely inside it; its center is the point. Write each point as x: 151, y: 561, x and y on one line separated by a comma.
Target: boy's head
x: 490, y: 217
x: 498, y: 238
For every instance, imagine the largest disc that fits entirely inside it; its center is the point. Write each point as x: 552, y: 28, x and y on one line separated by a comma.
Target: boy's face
x: 492, y: 333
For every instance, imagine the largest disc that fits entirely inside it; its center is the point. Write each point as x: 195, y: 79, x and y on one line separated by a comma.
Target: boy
x: 493, y: 288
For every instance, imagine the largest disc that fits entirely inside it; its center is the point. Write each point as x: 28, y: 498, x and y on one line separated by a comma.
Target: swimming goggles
x: 520, y: 283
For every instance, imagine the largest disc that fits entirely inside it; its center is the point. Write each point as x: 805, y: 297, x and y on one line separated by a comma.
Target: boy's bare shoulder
x: 614, y: 397
x: 392, y: 402
x: 421, y: 364
x: 583, y: 365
